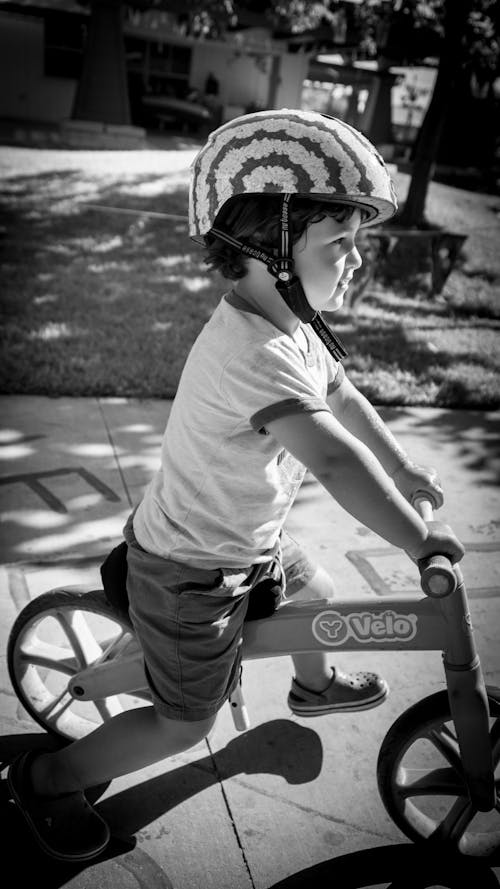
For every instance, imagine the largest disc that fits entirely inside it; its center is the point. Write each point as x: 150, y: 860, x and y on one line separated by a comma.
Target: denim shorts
x: 189, y: 622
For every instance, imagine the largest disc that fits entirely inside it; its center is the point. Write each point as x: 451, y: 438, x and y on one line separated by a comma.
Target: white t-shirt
x: 225, y: 486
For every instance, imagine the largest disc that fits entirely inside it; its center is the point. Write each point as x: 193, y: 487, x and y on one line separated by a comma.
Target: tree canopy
x: 404, y: 31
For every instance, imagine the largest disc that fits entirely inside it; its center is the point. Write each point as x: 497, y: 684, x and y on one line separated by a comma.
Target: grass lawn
x: 109, y: 303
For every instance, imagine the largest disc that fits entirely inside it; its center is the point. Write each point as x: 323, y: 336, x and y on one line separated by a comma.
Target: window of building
x: 64, y: 41
x: 161, y: 68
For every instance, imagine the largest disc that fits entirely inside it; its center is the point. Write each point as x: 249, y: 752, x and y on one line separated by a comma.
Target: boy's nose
x: 354, y: 260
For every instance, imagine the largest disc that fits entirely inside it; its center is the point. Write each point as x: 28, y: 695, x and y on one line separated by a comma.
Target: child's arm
x: 360, y: 418
x: 353, y: 475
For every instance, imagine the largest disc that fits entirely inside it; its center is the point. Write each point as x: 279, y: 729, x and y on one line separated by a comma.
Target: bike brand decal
x: 332, y: 628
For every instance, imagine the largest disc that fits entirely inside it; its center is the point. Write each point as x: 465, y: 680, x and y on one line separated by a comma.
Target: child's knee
x: 186, y: 732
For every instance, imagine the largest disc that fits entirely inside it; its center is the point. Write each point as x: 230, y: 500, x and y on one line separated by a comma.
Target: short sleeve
x: 271, y: 380
x: 337, y: 378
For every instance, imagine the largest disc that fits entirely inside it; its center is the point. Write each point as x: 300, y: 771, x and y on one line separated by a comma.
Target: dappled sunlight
x: 168, y: 262
x: 156, y: 187
x: 196, y: 284
x: 85, y: 465
x: 95, y: 530
x: 65, y: 180
x: 473, y: 434
x: 63, y: 249
x: 45, y: 298
x: 137, y: 428
x: 187, y: 280
x: 149, y: 458
x: 83, y: 502
x: 83, y: 515
x: 9, y: 436
x: 105, y: 293
x: 103, y: 267
x: 53, y: 331
x: 97, y: 244
x: 92, y: 450
x: 37, y: 519
x: 15, y: 451
x: 161, y: 326
x: 115, y: 401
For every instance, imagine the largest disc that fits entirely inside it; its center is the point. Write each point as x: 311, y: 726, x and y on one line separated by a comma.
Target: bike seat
x: 114, y: 577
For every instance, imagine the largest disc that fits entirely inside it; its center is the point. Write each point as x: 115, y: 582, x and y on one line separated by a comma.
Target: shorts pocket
x: 199, y: 580
x: 225, y: 582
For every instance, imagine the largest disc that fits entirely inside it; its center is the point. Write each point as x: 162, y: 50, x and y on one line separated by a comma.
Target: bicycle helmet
x: 288, y: 152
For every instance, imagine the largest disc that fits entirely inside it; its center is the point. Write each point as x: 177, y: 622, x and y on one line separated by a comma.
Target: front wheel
x: 54, y: 637
x: 421, y: 783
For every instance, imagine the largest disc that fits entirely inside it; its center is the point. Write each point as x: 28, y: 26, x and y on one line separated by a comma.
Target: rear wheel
x: 421, y: 783
x: 53, y: 638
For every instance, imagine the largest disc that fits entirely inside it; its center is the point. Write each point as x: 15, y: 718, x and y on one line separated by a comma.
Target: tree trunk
x: 102, y: 92
x: 376, y: 122
x: 413, y: 213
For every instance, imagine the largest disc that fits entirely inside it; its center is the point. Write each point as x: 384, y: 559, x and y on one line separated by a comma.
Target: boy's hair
x: 256, y: 219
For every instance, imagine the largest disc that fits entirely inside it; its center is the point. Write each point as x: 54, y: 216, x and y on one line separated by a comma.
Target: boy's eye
x: 345, y: 242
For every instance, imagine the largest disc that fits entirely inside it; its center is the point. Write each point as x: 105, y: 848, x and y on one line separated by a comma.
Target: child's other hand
x: 411, y: 478
x: 441, y: 541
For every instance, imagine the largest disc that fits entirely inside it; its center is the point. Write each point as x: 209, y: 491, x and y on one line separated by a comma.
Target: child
x: 277, y: 198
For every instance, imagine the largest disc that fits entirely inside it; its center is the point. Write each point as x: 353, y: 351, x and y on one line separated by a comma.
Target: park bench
x: 397, y: 254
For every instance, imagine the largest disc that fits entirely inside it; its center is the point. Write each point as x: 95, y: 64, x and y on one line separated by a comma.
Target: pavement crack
x: 115, y: 452
x: 230, y: 814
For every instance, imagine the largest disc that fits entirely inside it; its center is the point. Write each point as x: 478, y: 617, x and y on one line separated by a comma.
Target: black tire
x: 422, y: 723
x: 27, y: 677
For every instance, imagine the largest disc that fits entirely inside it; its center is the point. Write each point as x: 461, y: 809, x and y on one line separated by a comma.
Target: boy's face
x: 325, y: 259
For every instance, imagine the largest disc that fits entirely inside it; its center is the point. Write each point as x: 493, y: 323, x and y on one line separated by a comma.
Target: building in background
x: 41, y: 56
x: 351, y: 90
x: 165, y: 77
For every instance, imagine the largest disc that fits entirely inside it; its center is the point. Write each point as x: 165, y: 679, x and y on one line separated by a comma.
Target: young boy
x: 277, y: 198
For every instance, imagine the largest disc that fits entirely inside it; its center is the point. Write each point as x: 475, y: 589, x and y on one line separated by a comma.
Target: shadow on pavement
x: 396, y: 867
x: 475, y: 432
x: 280, y: 747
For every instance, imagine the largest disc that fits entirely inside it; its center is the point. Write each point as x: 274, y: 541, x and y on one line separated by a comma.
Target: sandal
x: 65, y: 826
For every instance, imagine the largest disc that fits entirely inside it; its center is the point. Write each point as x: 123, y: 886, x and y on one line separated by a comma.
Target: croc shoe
x: 346, y: 692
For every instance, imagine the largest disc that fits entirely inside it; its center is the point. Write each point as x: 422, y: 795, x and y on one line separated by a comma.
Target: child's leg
x: 48, y: 788
x: 189, y: 623
x: 313, y: 670
x: 318, y: 687
x: 129, y: 741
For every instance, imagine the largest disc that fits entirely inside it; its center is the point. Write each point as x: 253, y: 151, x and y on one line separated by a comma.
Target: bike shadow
x: 402, y: 866
x: 279, y: 747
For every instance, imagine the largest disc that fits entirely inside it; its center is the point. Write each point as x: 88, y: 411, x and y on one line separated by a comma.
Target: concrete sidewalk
x: 283, y: 804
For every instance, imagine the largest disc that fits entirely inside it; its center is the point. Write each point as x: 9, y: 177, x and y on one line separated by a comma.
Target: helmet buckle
x: 277, y: 268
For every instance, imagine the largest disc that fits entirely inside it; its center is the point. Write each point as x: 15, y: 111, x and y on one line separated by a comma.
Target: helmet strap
x: 287, y: 283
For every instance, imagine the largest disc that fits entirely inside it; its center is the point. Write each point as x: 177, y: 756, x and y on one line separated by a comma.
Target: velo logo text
x: 332, y: 628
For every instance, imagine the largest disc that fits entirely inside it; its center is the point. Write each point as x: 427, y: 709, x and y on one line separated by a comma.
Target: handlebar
x: 437, y: 577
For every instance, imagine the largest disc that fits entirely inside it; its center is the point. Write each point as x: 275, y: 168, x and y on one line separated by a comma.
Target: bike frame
x: 368, y: 624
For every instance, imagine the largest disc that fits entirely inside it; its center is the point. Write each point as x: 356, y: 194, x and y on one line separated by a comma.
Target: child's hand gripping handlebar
x: 437, y: 577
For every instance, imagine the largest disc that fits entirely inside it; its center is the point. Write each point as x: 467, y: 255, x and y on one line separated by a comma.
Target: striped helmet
x: 288, y: 152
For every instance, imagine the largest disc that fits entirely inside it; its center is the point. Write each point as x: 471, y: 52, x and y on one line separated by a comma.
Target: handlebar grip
x: 437, y: 577
x: 424, y: 505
